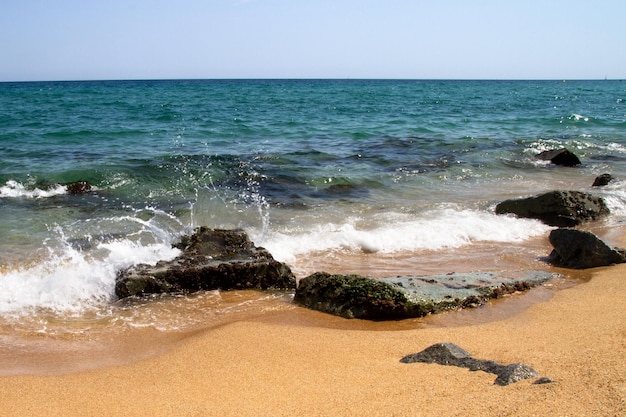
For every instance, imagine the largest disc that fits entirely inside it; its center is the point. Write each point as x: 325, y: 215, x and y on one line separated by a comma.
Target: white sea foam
x: 15, y: 189
x: 74, y: 280
x: 615, y: 197
x: 578, y: 117
x: 447, y: 228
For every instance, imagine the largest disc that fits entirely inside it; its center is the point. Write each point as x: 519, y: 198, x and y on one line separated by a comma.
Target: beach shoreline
x: 268, y: 367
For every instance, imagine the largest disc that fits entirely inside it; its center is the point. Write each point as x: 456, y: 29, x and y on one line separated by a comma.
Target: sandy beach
x: 291, y: 367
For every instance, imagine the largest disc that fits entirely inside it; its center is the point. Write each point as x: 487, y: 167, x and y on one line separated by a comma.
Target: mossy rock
x: 354, y: 296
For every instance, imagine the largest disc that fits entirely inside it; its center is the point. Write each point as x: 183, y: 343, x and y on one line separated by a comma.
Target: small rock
x: 602, y: 180
x: 450, y: 354
x: 441, y: 353
x: 514, y: 373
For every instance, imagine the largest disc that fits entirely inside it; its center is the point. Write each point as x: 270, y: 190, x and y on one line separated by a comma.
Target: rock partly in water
x: 561, y: 156
x: 354, y: 296
x: 557, y: 208
x: 602, y: 180
x: 580, y: 249
x: 450, y: 354
x: 211, y: 259
x: 78, y: 187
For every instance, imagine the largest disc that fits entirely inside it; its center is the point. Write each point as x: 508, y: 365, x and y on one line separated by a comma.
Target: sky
x: 403, y: 39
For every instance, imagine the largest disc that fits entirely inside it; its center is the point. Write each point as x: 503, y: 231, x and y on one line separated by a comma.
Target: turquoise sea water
x: 382, y: 176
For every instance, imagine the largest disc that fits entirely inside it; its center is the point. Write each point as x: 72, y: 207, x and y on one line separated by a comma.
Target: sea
x: 376, y: 177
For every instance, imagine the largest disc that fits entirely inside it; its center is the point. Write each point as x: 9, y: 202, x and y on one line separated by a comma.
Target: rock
x: 450, y: 354
x: 579, y: 249
x: 557, y: 208
x: 78, y: 187
x: 211, y: 259
x: 442, y: 353
x: 514, y: 373
x: 560, y: 157
x: 354, y: 296
x: 602, y: 180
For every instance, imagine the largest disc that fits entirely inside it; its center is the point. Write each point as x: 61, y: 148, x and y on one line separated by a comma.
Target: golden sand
x: 268, y: 367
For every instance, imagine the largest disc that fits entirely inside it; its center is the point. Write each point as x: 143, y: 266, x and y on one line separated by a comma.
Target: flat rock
x: 354, y: 296
x: 211, y: 259
x: 450, y: 354
x: 557, y: 208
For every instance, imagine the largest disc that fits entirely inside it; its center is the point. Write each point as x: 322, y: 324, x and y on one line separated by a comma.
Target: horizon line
x: 300, y: 79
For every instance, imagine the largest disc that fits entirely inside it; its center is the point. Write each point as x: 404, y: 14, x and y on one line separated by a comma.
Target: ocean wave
x: 578, y: 117
x: 436, y: 230
x: 13, y: 188
x: 614, y: 195
x: 70, y: 279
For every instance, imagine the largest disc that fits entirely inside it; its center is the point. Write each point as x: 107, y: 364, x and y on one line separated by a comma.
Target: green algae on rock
x: 354, y: 296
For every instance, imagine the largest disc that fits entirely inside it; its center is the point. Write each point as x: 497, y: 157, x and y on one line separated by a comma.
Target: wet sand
x: 311, y: 365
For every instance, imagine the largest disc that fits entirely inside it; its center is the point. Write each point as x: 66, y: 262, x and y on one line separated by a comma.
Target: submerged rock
x: 354, y: 296
x: 560, y: 157
x: 579, y: 249
x: 450, y: 354
x: 211, y: 259
x: 557, y: 208
x: 78, y: 187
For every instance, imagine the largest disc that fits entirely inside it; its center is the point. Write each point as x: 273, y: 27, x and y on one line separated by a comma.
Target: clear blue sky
x: 142, y: 39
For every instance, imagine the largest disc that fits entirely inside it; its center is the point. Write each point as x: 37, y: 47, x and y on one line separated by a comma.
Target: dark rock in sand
x: 211, y: 259
x: 579, y: 249
x: 354, y: 296
x: 560, y: 157
x: 78, y: 187
x: 510, y: 374
x: 602, y: 180
x: 557, y: 208
x: 442, y: 353
x: 450, y: 354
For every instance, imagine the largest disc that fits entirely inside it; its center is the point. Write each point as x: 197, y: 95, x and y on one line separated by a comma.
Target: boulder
x: 579, y: 249
x: 560, y: 157
x: 354, y: 296
x: 602, y: 180
x: 450, y: 354
x: 557, y: 208
x: 211, y: 259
